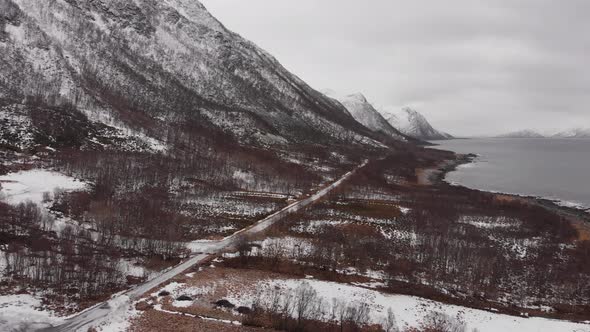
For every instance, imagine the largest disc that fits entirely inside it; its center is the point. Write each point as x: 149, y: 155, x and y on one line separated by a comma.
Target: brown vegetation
x: 454, y: 244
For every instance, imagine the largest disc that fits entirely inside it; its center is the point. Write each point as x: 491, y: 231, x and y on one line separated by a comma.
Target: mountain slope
x: 414, y: 124
x: 358, y: 106
x: 146, y: 65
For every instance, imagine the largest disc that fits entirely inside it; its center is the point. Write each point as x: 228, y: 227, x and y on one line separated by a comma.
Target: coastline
x: 578, y: 215
x: 435, y: 176
x: 438, y: 173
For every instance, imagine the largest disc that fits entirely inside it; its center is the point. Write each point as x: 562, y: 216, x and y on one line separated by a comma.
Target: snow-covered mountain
x: 157, y: 69
x: 527, y: 133
x: 364, y: 112
x: 574, y: 133
x: 412, y: 123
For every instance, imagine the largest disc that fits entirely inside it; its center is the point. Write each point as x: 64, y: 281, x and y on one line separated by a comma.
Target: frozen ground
x: 122, y: 312
x: 408, y: 310
x: 30, y: 185
x: 23, y: 313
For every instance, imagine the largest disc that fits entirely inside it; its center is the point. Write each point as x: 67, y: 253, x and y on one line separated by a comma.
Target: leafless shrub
x: 390, y: 323
x: 441, y: 322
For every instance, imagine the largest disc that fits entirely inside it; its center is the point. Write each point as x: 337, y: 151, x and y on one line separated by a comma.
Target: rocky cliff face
x: 154, y: 68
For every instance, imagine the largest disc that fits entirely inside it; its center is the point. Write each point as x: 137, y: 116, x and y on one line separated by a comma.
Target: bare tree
x: 390, y: 323
x: 357, y: 314
x: 305, y: 297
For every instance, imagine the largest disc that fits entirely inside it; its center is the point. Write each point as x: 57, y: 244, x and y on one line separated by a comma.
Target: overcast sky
x: 473, y: 67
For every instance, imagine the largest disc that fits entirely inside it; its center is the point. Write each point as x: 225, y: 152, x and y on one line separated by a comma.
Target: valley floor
x: 389, y: 243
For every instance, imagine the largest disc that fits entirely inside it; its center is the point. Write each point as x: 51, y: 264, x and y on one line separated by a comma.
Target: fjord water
x: 557, y: 169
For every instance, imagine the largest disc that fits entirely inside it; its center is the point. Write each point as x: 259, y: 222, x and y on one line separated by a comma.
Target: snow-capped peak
x: 412, y: 123
x: 362, y: 110
x: 359, y: 97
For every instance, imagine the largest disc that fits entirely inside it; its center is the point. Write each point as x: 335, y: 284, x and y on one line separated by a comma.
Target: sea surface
x: 557, y: 169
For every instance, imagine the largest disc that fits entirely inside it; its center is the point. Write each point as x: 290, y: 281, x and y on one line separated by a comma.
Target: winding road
x: 100, y: 313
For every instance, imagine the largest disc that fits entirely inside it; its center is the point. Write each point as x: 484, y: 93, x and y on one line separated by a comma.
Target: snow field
x: 409, y: 310
x: 30, y: 185
x: 23, y: 312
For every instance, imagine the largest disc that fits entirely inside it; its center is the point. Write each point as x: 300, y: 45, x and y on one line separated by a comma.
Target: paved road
x: 100, y: 313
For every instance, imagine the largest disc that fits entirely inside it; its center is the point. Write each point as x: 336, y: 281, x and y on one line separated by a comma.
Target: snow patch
x: 244, y: 177
x: 182, y: 304
x: 123, y: 131
x: 23, y: 313
x: 170, y: 41
x: 100, y: 23
x: 409, y: 310
x: 486, y: 222
x: 313, y: 226
x: 16, y: 32
x: 122, y: 312
x: 30, y: 185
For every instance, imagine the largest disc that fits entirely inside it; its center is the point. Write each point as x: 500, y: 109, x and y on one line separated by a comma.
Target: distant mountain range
x: 395, y: 123
x: 574, y: 133
x: 522, y: 134
x: 528, y: 133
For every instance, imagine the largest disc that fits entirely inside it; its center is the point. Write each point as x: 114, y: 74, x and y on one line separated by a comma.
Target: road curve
x: 100, y: 313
